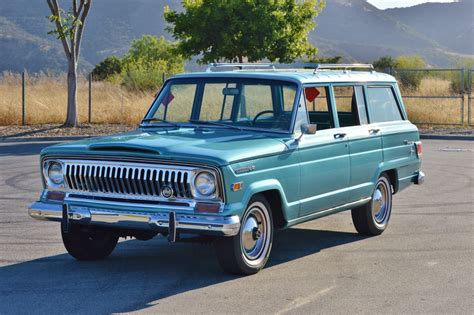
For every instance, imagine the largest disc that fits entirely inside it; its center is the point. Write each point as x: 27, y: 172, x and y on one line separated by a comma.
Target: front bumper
x: 156, y: 221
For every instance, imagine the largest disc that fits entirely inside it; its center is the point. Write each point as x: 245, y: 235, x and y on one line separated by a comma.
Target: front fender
x: 289, y: 211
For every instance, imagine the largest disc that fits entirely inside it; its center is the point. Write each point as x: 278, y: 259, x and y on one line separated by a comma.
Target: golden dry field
x: 114, y: 104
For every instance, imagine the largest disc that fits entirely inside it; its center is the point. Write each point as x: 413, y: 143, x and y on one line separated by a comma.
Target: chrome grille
x: 127, y: 178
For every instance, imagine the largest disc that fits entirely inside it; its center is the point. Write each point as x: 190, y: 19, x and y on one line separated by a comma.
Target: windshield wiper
x: 159, y: 120
x: 205, y: 122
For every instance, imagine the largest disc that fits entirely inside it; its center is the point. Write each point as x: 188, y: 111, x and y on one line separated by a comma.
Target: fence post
x: 23, y: 120
x: 90, y: 97
x: 469, y: 96
x: 462, y: 96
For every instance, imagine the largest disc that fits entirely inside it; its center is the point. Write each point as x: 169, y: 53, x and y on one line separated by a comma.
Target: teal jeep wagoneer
x: 235, y: 153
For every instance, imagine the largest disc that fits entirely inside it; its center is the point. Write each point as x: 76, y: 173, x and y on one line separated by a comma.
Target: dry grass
x: 46, y: 99
x: 111, y: 103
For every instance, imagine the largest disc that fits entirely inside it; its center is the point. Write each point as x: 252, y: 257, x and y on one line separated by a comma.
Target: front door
x: 324, y: 156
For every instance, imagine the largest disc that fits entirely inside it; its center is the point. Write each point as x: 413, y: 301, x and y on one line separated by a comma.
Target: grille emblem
x: 167, y: 192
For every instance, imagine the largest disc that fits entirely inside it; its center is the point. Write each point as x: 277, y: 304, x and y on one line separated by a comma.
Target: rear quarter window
x: 382, y: 104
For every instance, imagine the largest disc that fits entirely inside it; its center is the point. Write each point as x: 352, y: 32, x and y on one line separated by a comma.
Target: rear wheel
x: 89, y: 244
x: 248, y: 251
x: 372, y: 218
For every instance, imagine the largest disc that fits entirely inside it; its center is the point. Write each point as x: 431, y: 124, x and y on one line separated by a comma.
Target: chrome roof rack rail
x: 343, y: 66
x: 239, y: 66
x: 272, y: 66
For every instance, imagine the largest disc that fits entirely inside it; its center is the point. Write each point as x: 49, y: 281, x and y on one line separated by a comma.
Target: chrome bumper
x: 420, y: 178
x: 159, y: 221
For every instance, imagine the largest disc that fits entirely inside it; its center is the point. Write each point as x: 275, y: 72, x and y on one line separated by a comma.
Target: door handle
x: 339, y: 135
x: 374, y: 131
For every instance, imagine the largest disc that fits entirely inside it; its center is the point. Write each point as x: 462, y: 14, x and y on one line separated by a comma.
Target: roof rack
x: 275, y: 66
x: 272, y: 66
x: 343, y: 66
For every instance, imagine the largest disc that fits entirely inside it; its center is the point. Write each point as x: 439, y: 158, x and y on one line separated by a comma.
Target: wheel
x: 248, y: 251
x: 372, y: 218
x: 87, y: 244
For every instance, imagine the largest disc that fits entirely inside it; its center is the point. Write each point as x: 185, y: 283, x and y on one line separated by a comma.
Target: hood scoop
x: 130, y: 148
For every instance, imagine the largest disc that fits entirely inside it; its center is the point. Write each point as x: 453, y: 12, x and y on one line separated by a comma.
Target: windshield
x: 225, y: 102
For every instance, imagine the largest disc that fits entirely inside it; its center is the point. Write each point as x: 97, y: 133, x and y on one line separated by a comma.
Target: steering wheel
x: 282, y: 115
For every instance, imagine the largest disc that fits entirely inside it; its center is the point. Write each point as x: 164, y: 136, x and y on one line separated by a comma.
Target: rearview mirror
x: 309, y: 129
x: 230, y: 91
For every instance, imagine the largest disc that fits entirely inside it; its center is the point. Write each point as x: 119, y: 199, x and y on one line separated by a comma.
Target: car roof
x: 301, y: 76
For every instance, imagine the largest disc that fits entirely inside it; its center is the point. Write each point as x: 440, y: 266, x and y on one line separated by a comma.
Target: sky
x: 385, y: 4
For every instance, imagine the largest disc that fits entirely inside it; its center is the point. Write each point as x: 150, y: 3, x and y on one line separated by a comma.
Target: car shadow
x: 138, y: 274
x: 22, y: 149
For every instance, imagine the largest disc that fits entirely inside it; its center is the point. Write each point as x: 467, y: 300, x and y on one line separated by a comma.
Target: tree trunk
x: 241, y: 59
x: 71, y: 116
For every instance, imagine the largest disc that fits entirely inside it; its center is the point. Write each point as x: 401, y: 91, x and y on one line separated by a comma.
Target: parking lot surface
x: 423, y: 263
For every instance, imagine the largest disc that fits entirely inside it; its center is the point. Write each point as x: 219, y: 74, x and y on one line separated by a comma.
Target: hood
x: 217, y: 146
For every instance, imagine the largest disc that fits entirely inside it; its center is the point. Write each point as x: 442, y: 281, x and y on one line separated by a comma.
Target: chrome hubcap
x: 254, y: 235
x: 380, y: 204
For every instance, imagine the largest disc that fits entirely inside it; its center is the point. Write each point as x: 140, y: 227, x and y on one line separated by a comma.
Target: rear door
x: 365, y: 142
x: 398, y: 134
x: 324, y: 156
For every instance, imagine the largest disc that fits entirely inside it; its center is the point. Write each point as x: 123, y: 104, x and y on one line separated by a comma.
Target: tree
x: 234, y: 30
x: 333, y: 60
x: 69, y: 28
x: 384, y: 63
x: 147, y: 60
x: 108, y: 67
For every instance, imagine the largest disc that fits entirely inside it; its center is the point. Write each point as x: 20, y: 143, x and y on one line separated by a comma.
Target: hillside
x: 435, y: 20
x: 355, y: 29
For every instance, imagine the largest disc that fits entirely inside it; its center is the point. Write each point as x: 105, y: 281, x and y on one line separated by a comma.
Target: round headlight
x: 55, y: 173
x: 205, y: 183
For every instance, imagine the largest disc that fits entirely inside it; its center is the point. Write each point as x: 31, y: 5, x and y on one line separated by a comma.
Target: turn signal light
x: 56, y: 195
x: 207, y: 207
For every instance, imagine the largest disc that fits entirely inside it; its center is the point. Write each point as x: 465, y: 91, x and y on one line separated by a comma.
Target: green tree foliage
x: 410, y: 79
x: 384, y: 64
x: 144, y: 65
x: 148, y: 59
x: 109, y: 67
x: 232, y: 30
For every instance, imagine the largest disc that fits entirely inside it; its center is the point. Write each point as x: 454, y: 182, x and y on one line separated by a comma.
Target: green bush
x: 455, y: 85
x: 384, y: 64
x: 144, y: 76
x: 109, y: 67
x: 409, y: 79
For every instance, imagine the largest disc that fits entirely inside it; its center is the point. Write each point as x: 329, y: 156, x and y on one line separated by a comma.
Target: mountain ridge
x: 355, y: 29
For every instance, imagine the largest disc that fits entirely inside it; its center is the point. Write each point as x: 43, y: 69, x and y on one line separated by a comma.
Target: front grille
x: 127, y: 178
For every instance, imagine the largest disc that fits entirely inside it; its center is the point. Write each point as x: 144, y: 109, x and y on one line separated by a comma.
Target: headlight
x: 205, y: 184
x: 54, y: 173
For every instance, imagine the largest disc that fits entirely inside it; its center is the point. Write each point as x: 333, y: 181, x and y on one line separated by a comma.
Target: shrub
x: 455, y: 85
x: 384, y: 64
x: 410, y: 79
x: 109, y: 67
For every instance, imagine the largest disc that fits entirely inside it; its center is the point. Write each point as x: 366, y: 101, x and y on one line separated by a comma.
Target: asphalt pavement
x: 423, y: 263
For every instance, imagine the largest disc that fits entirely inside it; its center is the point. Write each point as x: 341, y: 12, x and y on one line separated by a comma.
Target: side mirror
x: 309, y: 129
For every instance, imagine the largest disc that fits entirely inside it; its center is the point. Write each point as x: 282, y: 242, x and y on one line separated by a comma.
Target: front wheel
x: 372, y: 218
x: 248, y: 251
x: 89, y: 244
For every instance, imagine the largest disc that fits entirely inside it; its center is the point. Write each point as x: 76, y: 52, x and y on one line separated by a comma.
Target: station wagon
x: 235, y: 153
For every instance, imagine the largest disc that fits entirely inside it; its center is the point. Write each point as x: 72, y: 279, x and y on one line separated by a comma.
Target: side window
x: 350, y: 104
x: 318, y: 105
x: 382, y: 104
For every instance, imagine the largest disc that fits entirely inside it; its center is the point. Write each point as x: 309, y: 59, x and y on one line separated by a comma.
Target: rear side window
x: 382, y: 104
